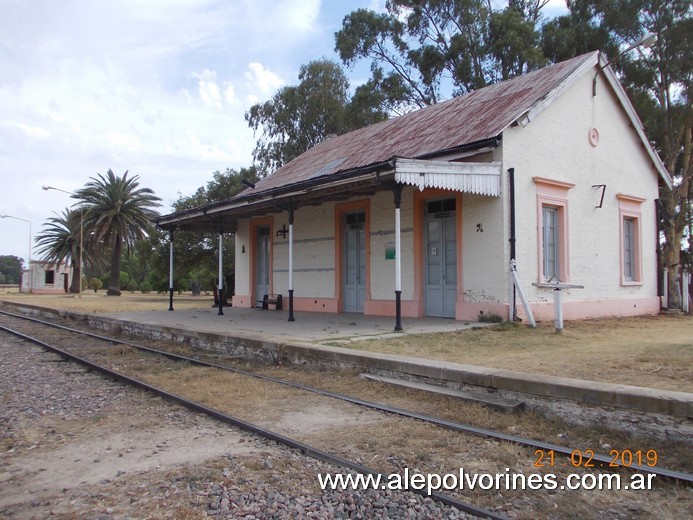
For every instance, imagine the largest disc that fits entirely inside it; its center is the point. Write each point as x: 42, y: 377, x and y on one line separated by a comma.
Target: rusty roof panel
x: 477, y: 116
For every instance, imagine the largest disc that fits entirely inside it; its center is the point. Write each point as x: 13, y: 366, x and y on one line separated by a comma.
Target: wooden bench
x: 271, y: 299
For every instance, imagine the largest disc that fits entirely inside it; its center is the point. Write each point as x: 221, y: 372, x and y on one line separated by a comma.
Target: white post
x: 398, y: 248
x: 665, y: 288
x: 81, y: 248
x: 291, y: 262
x: 685, y: 282
x: 170, y: 272
x: 558, y: 309
x: 221, y: 279
x: 31, y: 285
x: 170, y: 265
x: 221, y: 261
x: 291, y: 257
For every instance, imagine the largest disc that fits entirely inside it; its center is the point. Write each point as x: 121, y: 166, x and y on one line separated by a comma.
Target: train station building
x: 454, y: 209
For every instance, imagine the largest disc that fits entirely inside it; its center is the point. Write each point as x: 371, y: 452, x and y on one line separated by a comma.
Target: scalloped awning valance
x: 478, y: 178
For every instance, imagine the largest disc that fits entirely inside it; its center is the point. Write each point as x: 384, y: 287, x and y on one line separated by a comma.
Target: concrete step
x: 496, y: 403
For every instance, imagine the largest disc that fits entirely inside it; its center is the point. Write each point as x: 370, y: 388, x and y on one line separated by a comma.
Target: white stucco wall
x: 555, y: 145
x: 314, y: 246
x: 483, y: 252
x: 242, y: 259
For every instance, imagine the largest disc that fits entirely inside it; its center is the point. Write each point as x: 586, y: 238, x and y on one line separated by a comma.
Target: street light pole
x: 81, y: 235
x: 28, y: 222
x: 645, y: 41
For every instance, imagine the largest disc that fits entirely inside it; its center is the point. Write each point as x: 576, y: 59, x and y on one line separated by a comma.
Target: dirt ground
x: 655, y: 352
x: 119, y: 460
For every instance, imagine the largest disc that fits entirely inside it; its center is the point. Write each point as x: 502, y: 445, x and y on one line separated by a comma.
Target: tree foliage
x: 432, y: 48
x: 195, y: 254
x: 300, y: 116
x: 658, y: 81
x: 117, y: 213
x: 11, y: 268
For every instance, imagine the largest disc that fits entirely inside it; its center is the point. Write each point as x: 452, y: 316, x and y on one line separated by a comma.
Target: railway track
x: 81, y: 355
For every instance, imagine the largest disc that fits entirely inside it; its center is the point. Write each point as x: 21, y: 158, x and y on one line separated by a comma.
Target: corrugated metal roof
x: 477, y: 116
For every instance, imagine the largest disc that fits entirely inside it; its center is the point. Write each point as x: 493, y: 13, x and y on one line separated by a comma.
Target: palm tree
x: 59, y: 242
x: 117, y: 213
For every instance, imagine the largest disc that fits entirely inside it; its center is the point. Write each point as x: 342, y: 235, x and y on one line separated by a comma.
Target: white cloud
x: 263, y: 79
x: 229, y: 93
x: 209, y: 91
x: 123, y: 142
x: 158, y: 88
x: 298, y: 15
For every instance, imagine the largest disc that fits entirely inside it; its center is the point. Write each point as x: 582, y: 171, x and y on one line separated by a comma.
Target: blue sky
x: 156, y: 87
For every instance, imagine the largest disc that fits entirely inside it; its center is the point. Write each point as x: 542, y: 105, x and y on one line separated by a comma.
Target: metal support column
x: 170, y: 272
x: 221, y: 274
x: 291, y: 261
x: 397, y: 190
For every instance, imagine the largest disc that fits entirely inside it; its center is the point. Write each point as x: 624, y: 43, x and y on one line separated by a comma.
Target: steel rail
x: 263, y: 432
x: 604, y: 461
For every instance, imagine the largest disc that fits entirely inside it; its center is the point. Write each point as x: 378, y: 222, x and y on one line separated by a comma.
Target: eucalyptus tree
x: 300, y: 116
x: 117, y: 212
x: 432, y: 49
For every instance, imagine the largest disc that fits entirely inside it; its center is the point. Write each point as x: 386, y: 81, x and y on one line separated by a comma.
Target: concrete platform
x: 312, y: 327
x: 267, y: 336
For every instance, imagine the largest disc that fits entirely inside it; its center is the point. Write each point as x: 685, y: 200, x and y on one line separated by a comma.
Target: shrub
x: 124, y: 281
x: 490, y: 318
x: 132, y: 286
x: 95, y: 283
x: 145, y: 287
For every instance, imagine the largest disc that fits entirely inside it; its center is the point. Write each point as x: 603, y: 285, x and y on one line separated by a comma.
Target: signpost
x: 558, y: 299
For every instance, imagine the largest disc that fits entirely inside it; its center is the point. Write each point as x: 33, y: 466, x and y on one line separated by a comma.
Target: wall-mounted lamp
x: 243, y: 249
x: 283, y: 231
x: 479, y: 228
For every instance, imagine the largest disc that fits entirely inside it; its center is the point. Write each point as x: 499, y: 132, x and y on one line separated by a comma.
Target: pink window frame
x: 554, y: 194
x: 630, y: 206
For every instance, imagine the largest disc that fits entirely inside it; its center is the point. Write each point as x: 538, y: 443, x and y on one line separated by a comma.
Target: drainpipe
x: 397, y: 190
x: 170, y: 272
x: 512, y: 314
x: 221, y: 264
x: 291, y: 261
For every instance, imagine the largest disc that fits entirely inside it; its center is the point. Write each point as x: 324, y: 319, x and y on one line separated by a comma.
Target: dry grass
x: 100, y: 302
x: 276, y: 406
x: 654, y: 352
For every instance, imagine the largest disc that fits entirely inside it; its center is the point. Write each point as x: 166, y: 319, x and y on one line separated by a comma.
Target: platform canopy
x: 467, y: 177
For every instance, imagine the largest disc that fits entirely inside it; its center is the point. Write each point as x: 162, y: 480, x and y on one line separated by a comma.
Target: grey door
x: 441, y: 258
x: 354, y: 261
x: 262, y: 262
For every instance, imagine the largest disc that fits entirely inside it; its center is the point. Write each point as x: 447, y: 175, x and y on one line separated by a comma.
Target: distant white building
x: 45, y: 278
